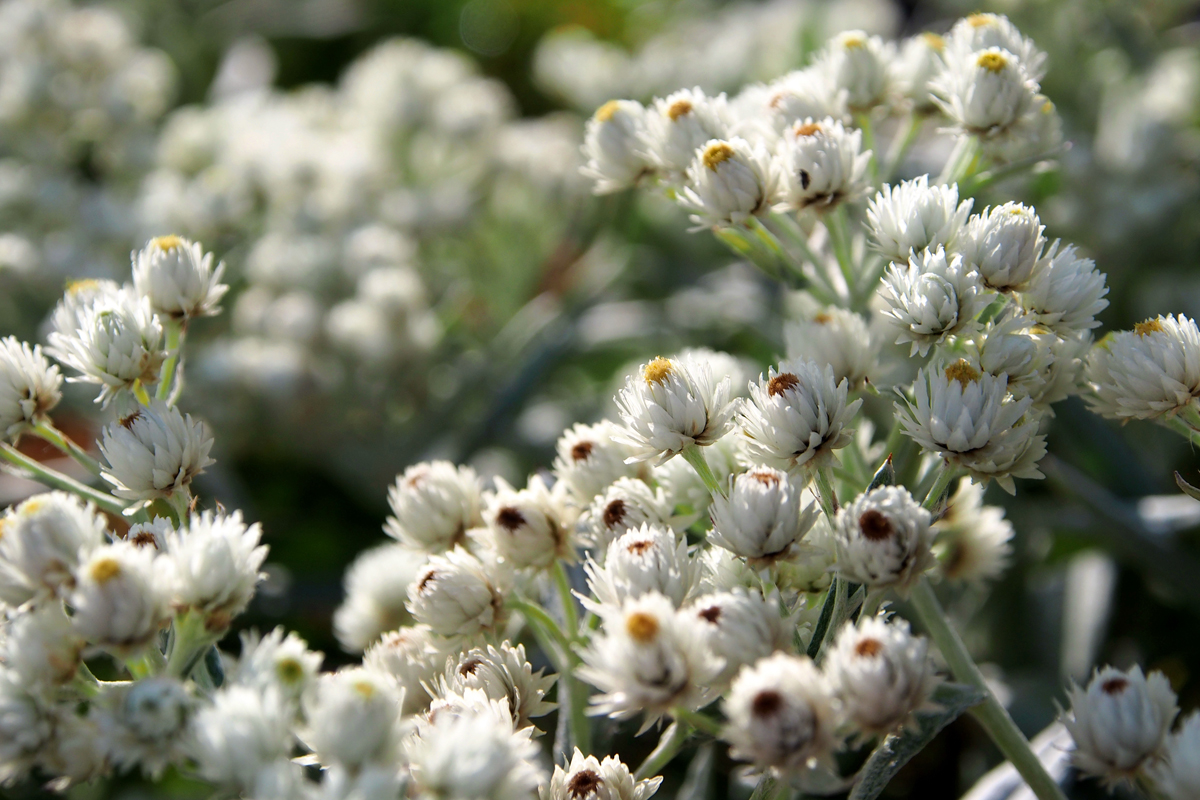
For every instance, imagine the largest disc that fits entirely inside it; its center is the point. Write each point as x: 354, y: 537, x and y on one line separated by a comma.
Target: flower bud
x: 837, y: 337
x: 627, y: 504
x: 914, y: 216
x: 612, y: 146
x: 590, y: 459
x: 177, y: 277
x: 588, y: 778
x: 353, y: 717
x: 454, y: 596
x: 883, y: 539
x: 376, y: 586
x: 679, y: 125
x: 154, y: 452
x: 821, y: 164
x: 859, y: 65
x: 1177, y: 775
x: 121, y: 597
x: 931, y: 297
x: 146, y: 725
x: 44, y: 539
x: 527, y: 526
x: 1065, y: 292
x: 502, y: 673
x: 29, y: 387
x: 216, y: 560
x: 433, y: 505
x: 1003, y: 244
x: 741, y: 627
x: 643, y: 560
x: 728, y: 182
x: 762, y: 518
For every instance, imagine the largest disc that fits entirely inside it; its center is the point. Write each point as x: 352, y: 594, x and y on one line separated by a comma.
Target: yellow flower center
x: 680, y: 108
x: 85, y: 285
x: 715, y: 153
x: 934, y: 41
x: 169, y: 242
x: 605, y: 112
x: 807, y: 129
x: 1149, y: 326
x: 854, y: 43
x: 105, y: 570
x: 992, y: 62
x: 657, y: 371
x: 642, y: 627
x: 365, y: 688
x: 963, y: 372
x: 979, y: 20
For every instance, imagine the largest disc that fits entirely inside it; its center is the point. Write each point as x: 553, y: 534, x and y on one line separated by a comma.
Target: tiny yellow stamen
x: 32, y: 505
x: 105, y: 570
x: 934, y: 41
x: 854, y: 42
x: 715, y: 153
x: 657, y: 371
x: 289, y: 670
x: 85, y: 285
x: 642, y: 627
x: 807, y: 129
x: 963, y: 372
x: 168, y: 242
x: 1149, y: 326
x: 680, y: 108
x: 365, y: 688
x: 822, y: 319
x: 993, y: 62
x: 606, y: 112
x: 979, y: 20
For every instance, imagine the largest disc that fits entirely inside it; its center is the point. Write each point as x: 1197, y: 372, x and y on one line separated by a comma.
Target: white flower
x: 914, y: 216
x: 883, y: 539
x: 41, y: 647
x: 527, y: 526
x: 502, y: 673
x: 177, y: 277
x: 612, y: 146
x: 860, y: 65
x: 648, y: 659
x: 25, y: 730
x: 590, y: 458
x: 353, y: 718
x: 799, y: 95
x: 971, y: 421
x: 646, y: 559
x: 1120, y: 722
x: 154, y: 452
x: 627, y: 504
x: 981, y: 31
x: 797, y: 416
x: 973, y: 540
x: 838, y: 337
x: 77, y: 299
x: 880, y: 673
x: 920, y: 62
x: 1151, y: 371
x: 931, y: 297
x: 1038, y: 132
x: 985, y: 93
x: 821, y: 164
x: 413, y: 657
x: 277, y: 662
x: 1178, y: 774
x: 762, y: 519
x: 242, y: 731
x: 145, y: 724
x: 376, y: 594
x: 43, y: 541
x: 454, y: 596
x: 216, y: 560
x: 729, y: 181
x: 433, y: 504
x: 1003, y: 244
x: 780, y: 714
x: 588, y: 778
x: 1065, y: 292
x: 471, y: 751
x: 117, y: 341
x: 680, y: 124
x: 672, y: 403
x: 29, y: 387
x: 121, y: 597
x: 741, y: 627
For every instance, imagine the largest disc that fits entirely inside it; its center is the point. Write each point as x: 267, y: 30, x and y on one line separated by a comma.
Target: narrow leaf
x: 814, y: 644
x: 885, y: 475
x: 1187, y: 488
x: 896, y: 750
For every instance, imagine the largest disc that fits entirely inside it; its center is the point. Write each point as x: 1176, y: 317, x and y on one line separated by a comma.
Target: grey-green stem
x: 46, y: 430
x: 55, y: 479
x: 694, y: 455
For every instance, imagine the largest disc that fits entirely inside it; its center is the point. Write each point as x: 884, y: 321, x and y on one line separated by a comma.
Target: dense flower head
x: 1151, y: 371
x: 742, y: 626
x: 626, y: 504
x: 242, y: 731
x: 1119, y: 722
x: 154, y: 452
x: 1003, y: 244
x: 646, y: 559
x: 122, y: 597
x: 1177, y: 775
x: 679, y: 124
x: 353, y: 717
x: 279, y: 662
x: 921, y: 61
x: 30, y: 387
x: 883, y: 539
x: 590, y: 459
x: 729, y: 181
x: 144, y: 724
x: 985, y: 93
x: 613, y: 146
x: 528, y: 526
x: 414, y: 657
x: 797, y: 415
x: 671, y: 403
x: 860, y: 65
x: 821, y: 163
x: 1065, y: 291
x: 838, y: 337
x: 915, y: 216
x: 178, y: 278
x: 455, y: 596
x: 42, y: 543
x: 216, y: 560
x: 973, y: 540
x: 501, y: 673
x: 762, y: 518
x: 932, y: 296
x: 589, y: 778
x: 376, y: 585
x: 977, y: 32
x: 433, y: 505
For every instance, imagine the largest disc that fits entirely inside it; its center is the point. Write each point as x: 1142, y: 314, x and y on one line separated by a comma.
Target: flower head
x: 121, y: 597
x: 973, y: 540
x: 1151, y: 371
x: 883, y: 539
x: 589, y: 778
x: 913, y: 216
x: 612, y: 146
x: 216, y: 560
x: 455, y: 596
x: 414, y: 657
x: 1177, y: 775
x: 729, y: 181
x: 42, y: 543
x: 762, y: 518
x: 642, y: 560
x: 177, y: 277
x: 154, y: 452
x: 353, y: 717
x: 860, y: 65
x: 1065, y: 292
x: 502, y: 673
x: 241, y: 732
x: 838, y: 337
x: 933, y: 296
x: 30, y: 386
x: 680, y: 124
x: 625, y: 505
x: 433, y: 505
x: 821, y: 164
x: 528, y: 526
x: 742, y: 626
x: 376, y: 586
x: 590, y: 459
x: 1003, y: 244
x: 985, y: 93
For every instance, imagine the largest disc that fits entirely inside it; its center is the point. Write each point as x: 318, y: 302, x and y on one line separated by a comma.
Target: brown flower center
x: 1114, y: 686
x: 765, y: 477
x: 639, y: 546
x: 766, y: 703
x: 584, y: 784
x: 510, y: 518
x: 614, y: 513
x: 582, y: 450
x: 711, y: 614
x: 784, y: 382
x: 875, y: 526
x: 469, y: 666
x: 868, y: 648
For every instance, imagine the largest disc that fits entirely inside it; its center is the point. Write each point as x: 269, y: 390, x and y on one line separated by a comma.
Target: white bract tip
x: 154, y: 452
x: 178, y: 278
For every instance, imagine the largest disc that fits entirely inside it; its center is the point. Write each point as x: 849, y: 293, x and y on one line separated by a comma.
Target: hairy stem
x: 823, y: 476
x: 53, y: 478
x: 993, y: 716
x: 46, y: 430
x: 668, y: 747
x: 945, y: 475
x: 166, y: 381
x: 694, y: 455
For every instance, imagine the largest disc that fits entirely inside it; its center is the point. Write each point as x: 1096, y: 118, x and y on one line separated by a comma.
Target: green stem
x: 990, y: 714
x: 985, y: 179
x: 817, y: 284
x: 694, y: 455
x: 190, y: 641
x: 901, y: 145
x: 668, y: 747
x: 46, y: 430
x: 868, y: 143
x: 960, y: 160
x: 701, y: 722
x: 946, y: 474
x: 181, y: 505
x: 872, y: 602
x: 825, y: 494
x: 542, y: 622
x: 51, y: 477
x: 581, y: 729
x: 839, y: 240
x: 841, y: 592
x: 166, y: 381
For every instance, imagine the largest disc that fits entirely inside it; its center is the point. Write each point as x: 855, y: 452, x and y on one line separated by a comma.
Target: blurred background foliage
x: 554, y: 314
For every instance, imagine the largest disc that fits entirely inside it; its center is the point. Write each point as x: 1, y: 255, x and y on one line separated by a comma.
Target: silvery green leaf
x: 1187, y: 488
x: 896, y: 750
x: 884, y: 476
